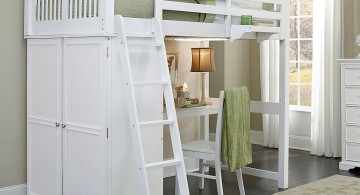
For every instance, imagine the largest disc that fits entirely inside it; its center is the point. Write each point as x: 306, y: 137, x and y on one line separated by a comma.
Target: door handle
x: 63, y: 126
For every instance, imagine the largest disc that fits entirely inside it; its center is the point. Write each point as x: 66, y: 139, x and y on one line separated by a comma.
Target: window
x: 301, y: 50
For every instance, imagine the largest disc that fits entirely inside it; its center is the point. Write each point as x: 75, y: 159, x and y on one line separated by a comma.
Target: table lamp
x: 203, y: 61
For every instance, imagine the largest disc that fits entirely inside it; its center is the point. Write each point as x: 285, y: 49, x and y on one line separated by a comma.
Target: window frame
x: 297, y: 17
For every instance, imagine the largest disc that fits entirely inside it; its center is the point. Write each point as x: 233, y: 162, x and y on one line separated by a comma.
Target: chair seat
x: 200, y: 146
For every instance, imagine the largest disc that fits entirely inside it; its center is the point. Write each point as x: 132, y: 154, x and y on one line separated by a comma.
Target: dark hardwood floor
x: 303, y: 168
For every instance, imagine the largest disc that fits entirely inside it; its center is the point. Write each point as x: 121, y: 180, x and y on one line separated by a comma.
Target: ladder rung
x: 151, y: 83
x: 144, y: 43
x: 140, y: 35
x: 160, y: 122
x: 166, y: 163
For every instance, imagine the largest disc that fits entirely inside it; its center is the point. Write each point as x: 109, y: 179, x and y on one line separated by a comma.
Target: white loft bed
x: 52, y: 19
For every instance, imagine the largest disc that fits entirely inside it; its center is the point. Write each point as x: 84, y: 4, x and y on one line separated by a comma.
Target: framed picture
x: 172, y: 60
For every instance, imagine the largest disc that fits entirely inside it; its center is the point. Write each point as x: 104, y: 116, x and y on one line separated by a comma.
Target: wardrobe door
x: 44, y: 116
x: 84, y: 116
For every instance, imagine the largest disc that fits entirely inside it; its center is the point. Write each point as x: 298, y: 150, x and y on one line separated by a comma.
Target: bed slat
x: 95, y: 8
x: 46, y: 10
x: 76, y: 9
x: 51, y: 10
x: 80, y: 6
x: 38, y: 10
x: 71, y: 9
x: 90, y: 10
x: 85, y: 9
x: 42, y: 10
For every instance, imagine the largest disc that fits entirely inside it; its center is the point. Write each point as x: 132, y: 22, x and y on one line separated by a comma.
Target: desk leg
x: 204, y: 127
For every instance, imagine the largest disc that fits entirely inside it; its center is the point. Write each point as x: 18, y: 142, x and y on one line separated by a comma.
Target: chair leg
x: 202, y: 171
x: 240, y: 181
x: 218, y: 179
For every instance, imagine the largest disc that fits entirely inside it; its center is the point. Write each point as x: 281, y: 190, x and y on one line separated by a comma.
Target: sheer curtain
x: 269, y: 68
x: 325, y: 125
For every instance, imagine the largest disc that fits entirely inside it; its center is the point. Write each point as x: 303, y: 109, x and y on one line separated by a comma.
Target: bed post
x: 106, y: 13
x: 228, y: 18
x: 284, y: 116
x: 27, y: 17
x: 284, y: 99
x: 158, y: 13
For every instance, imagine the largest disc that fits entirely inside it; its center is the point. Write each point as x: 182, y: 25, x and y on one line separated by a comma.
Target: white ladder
x: 157, y: 38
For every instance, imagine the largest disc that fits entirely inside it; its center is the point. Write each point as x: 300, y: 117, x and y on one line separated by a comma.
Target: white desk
x: 203, y: 112
x: 199, y: 111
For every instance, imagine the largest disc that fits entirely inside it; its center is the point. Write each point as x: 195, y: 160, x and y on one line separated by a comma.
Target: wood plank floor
x: 303, y: 168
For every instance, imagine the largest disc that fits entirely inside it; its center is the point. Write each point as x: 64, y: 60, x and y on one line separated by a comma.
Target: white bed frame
x: 54, y: 20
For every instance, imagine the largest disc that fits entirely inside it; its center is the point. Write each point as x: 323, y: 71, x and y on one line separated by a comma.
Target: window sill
x: 300, y: 108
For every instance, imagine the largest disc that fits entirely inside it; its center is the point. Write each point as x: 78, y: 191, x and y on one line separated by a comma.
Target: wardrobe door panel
x: 85, y: 137
x: 45, y: 164
x: 83, y: 163
x: 44, y: 137
x: 44, y: 79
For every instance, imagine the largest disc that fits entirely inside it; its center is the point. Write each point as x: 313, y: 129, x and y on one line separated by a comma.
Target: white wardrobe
x: 78, y: 137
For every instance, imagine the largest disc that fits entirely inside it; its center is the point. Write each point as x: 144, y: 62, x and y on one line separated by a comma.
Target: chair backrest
x: 219, y: 122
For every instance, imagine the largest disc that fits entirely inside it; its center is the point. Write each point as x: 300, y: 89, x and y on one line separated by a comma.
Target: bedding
x: 145, y: 9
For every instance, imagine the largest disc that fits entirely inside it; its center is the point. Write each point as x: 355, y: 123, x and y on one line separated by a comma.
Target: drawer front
x: 352, y: 76
x: 352, y: 96
x: 353, y: 152
x: 353, y: 115
x: 353, y: 134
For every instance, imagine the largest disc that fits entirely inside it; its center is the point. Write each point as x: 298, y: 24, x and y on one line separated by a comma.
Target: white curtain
x: 325, y: 124
x: 269, y: 68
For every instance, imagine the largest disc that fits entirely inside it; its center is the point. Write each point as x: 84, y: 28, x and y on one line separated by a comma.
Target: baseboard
x: 257, y: 137
x: 14, y: 190
x: 300, y: 142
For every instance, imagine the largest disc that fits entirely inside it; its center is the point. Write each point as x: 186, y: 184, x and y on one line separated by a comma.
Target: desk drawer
x: 352, y: 76
x: 353, y: 114
x: 353, y: 134
x: 353, y: 152
x: 352, y: 96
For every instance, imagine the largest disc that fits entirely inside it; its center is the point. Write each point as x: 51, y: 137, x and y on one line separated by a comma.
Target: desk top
x: 199, y: 111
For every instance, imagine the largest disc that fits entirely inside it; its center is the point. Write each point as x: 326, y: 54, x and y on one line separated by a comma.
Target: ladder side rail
x: 170, y: 109
x: 131, y: 105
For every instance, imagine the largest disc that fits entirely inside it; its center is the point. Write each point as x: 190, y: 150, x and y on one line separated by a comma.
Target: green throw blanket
x: 235, y: 144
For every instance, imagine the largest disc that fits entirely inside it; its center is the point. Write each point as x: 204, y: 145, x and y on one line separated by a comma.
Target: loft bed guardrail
x: 96, y: 18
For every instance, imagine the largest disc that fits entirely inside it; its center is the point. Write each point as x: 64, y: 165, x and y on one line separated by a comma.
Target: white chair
x: 210, y: 151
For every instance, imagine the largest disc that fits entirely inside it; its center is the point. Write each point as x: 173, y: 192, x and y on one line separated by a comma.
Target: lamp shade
x: 203, y: 59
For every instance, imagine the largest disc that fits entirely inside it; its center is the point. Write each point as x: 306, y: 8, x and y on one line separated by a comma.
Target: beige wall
x: 255, y: 87
x: 233, y: 68
x: 13, y: 94
x: 351, y: 27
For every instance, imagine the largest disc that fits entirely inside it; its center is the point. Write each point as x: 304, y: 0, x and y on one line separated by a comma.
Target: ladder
x: 157, y: 40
